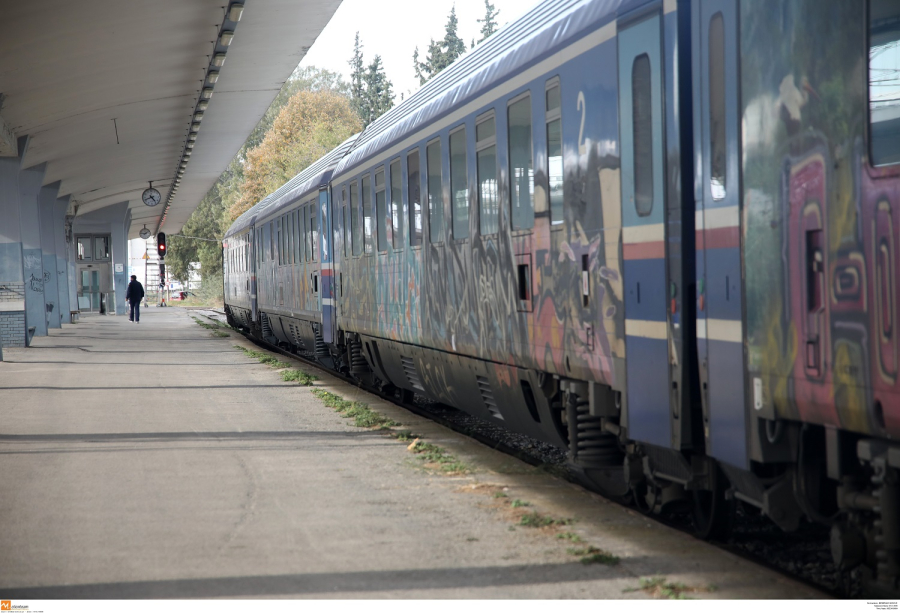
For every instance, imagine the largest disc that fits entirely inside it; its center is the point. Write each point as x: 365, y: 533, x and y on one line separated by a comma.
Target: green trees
x: 310, y: 116
x: 489, y: 23
x: 371, y: 93
x: 441, y: 53
x: 310, y: 125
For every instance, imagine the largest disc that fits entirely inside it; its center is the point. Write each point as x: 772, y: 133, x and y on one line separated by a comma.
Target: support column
x: 12, y: 282
x: 71, y: 258
x: 119, y: 251
x: 30, y: 180
x: 46, y: 204
x: 60, y: 207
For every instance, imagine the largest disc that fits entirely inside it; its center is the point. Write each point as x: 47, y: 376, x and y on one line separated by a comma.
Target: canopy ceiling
x: 106, y: 91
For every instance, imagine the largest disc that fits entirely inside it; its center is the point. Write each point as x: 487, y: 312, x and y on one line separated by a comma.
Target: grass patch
x: 592, y: 555
x: 364, y: 417
x: 519, y: 503
x: 499, y: 495
x: 569, y: 536
x: 536, y: 520
x: 203, y: 324
x: 264, y: 358
x: 300, y: 376
x: 359, y: 412
x: 405, y: 436
x: 214, y: 327
x: 432, y: 454
x: 658, y: 587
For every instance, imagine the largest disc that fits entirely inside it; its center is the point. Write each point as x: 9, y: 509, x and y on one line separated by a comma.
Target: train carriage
x: 659, y: 235
x: 288, y: 237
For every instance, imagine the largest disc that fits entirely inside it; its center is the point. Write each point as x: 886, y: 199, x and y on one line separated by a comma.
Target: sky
x: 393, y: 30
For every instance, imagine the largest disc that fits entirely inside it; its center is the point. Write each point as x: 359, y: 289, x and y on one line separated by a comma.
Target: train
x: 658, y: 235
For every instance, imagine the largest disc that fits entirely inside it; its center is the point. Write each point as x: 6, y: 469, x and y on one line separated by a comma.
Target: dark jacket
x: 135, y: 291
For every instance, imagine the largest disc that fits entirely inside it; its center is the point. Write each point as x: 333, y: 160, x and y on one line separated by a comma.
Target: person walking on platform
x: 134, y: 294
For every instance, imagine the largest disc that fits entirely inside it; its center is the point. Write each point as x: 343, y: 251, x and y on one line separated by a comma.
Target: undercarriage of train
x: 824, y: 476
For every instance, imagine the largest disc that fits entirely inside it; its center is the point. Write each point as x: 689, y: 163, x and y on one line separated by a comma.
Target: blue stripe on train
x: 723, y: 266
x: 645, y: 279
x: 727, y: 423
x: 648, y: 393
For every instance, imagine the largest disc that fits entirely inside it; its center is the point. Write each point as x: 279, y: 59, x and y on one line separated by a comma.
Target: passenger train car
x: 659, y: 235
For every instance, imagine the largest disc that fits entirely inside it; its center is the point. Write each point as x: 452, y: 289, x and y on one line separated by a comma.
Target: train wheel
x: 712, y: 514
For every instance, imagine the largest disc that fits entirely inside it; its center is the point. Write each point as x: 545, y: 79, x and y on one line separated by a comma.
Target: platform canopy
x: 105, y: 92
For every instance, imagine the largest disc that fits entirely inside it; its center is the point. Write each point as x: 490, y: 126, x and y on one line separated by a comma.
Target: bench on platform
x: 73, y: 316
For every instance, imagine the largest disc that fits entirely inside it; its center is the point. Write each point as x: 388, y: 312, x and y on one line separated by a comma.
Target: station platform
x: 156, y: 460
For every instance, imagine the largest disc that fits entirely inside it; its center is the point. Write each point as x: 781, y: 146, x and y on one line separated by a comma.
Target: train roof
x: 542, y: 30
x: 300, y: 186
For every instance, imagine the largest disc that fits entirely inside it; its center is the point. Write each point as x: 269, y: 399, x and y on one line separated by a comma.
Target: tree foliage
x: 358, y: 78
x: 441, y: 53
x: 308, y: 127
x: 371, y: 93
x: 489, y: 23
x: 214, y: 214
x: 206, y: 222
x: 379, y: 97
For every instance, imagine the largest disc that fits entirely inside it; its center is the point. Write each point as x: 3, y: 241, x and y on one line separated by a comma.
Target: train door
x: 326, y: 268
x: 254, y: 258
x: 644, y: 230
x: 720, y: 329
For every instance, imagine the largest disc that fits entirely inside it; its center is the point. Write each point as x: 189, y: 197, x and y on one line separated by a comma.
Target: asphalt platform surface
x: 155, y: 460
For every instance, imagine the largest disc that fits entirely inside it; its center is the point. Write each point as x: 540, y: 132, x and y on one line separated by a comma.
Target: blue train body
x: 564, y: 233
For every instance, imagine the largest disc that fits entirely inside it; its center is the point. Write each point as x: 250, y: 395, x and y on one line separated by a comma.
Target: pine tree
x: 440, y: 53
x: 358, y: 79
x: 489, y: 23
x: 379, y: 92
x: 454, y: 46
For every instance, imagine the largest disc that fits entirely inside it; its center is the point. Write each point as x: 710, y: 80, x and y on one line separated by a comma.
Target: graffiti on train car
x: 820, y: 232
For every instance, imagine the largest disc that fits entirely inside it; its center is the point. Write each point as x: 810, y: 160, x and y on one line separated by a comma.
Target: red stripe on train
x: 644, y: 251
x: 719, y: 238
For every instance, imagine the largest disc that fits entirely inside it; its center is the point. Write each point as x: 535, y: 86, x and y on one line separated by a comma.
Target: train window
x: 276, y: 240
x: 355, y: 235
x: 380, y: 213
x: 396, y: 204
x: 267, y: 242
x: 486, y: 163
x: 414, y: 184
x: 301, y: 234
x: 346, y: 205
x: 459, y: 188
x: 884, y: 82
x: 288, y: 238
x: 521, y: 172
x: 435, y: 197
x: 314, y: 231
x: 643, y: 134
x: 367, y: 212
x: 554, y: 152
x: 296, y: 233
x: 295, y: 245
x: 717, y: 107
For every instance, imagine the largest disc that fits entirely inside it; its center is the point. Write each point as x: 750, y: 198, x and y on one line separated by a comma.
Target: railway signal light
x: 161, y: 245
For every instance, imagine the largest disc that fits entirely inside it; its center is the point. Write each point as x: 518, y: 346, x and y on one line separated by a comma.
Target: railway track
x: 803, y: 556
